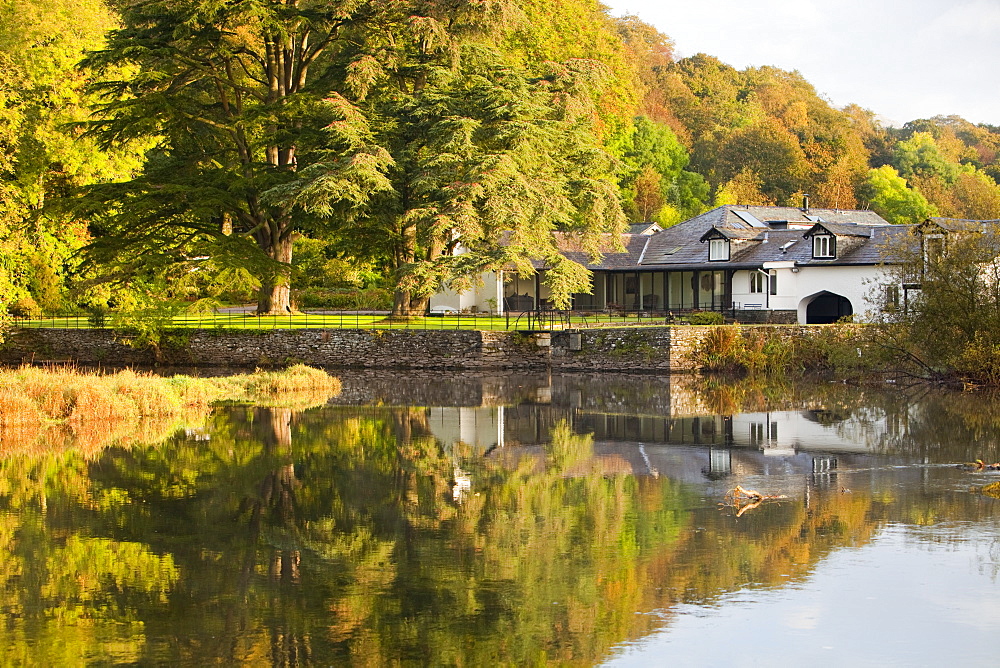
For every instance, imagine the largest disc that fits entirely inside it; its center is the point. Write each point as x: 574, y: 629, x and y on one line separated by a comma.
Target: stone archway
x: 827, y: 307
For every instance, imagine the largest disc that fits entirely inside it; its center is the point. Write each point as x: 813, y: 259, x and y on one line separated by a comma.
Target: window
x: 933, y: 247
x: 824, y: 245
x: 762, y: 432
x: 824, y: 464
x: 711, y: 289
x: 718, y: 249
x: 720, y: 461
x: 631, y: 292
x: 891, y: 298
x: 763, y: 281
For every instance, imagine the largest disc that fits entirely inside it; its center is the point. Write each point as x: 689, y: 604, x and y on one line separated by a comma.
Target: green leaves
x: 892, y: 199
x: 235, y: 95
x: 655, y: 184
x: 919, y: 156
x: 483, y: 162
x: 43, y: 156
x: 950, y: 326
x: 348, y: 172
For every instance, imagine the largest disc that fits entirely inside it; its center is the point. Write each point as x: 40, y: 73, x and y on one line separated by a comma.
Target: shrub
x: 17, y: 409
x: 98, y: 406
x: 765, y: 351
x: 722, y: 351
x: 371, y: 299
x: 705, y: 318
x: 298, y: 378
x: 25, y: 307
x: 149, y: 394
x: 978, y: 362
x: 97, y: 315
x: 375, y: 299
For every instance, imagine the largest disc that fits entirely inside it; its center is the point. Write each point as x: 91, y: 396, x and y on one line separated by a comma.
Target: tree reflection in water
x: 334, y: 534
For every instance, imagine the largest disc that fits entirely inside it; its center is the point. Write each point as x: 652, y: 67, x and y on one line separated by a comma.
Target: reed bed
x: 52, y: 408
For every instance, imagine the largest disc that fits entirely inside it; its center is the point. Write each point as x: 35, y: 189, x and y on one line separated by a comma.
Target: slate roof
x: 612, y: 259
x: 842, y: 229
x: 730, y: 233
x: 960, y: 224
x: 644, y: 228
x: 779, y: 237
x: 773, y: 216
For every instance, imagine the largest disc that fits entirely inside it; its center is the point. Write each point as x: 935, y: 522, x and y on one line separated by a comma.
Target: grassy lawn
x: 224, y: 321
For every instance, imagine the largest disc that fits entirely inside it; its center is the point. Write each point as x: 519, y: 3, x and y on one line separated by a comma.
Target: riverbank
x: 90, y: 410
x: 664, y: 349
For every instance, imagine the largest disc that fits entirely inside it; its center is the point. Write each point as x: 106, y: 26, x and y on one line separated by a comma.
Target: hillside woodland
x: 164, y: 152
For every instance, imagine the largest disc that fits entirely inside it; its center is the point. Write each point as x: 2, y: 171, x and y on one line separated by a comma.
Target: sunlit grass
x: 44, y: 408
x: 239, y: 321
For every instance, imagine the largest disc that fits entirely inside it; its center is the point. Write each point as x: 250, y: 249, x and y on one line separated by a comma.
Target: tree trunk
x: 275, y: 295
x: 406, y: 305
x: 273, y: 427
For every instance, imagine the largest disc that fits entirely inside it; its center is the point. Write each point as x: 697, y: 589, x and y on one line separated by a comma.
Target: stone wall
x: 765, y: 317
x: 632, y: 349
x: 85, y: 346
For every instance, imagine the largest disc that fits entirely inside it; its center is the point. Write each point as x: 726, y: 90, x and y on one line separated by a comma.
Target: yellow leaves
x: 568, y: 449
x: 59, y: 408
x: 992, y: 489
x: 744, y: 188
x: 76, y: 604
x: 580, y: 31
x: 977, y: 196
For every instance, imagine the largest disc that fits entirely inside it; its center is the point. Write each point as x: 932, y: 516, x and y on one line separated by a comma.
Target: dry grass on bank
x: 68, y: 407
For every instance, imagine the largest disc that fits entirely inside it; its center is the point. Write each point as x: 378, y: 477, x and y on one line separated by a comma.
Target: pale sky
x: 903, y: 59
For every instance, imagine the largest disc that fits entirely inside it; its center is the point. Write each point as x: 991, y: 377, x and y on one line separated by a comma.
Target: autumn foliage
x: 69, y: 407
x: 414, y: 124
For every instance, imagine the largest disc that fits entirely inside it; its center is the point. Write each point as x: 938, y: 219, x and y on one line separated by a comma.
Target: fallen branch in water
x: 747, y: 499
x: 979, y: 465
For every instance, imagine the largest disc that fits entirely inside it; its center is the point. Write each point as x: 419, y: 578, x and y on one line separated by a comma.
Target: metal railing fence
x: 544, y: 320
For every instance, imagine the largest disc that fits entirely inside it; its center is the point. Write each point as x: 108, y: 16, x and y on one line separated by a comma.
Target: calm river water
x: 471, y: 521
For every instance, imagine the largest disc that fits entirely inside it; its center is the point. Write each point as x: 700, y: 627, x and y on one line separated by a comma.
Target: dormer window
x: 718, y: 249
x: 824, y: 246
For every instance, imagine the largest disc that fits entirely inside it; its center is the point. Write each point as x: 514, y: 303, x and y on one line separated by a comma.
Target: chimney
x: 805, y: 203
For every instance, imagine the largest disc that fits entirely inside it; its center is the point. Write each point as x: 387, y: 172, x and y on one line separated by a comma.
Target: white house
x: 792, y: 265
x: 762, y: 263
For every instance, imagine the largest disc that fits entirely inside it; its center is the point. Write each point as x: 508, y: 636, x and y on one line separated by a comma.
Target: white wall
x: 796, y: 289
x: 476, y: 297
x: 480, y: 426
x: 788, y: 432
x: 857, y: 284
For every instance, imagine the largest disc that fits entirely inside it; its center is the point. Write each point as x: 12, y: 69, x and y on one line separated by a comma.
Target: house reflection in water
x: 481, y: 426
x: 685, y: 447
